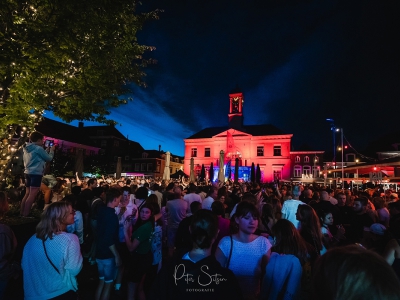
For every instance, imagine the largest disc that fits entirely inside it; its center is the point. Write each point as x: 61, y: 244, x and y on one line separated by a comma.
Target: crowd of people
x: 157, y: 239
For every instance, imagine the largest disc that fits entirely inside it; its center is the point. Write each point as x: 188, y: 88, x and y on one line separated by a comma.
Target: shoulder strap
x: 45, y: 251
x: 230, y: 254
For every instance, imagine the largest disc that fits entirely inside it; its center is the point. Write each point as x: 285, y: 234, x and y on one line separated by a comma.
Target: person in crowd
x: 99, y: 198
x: 284, y: 269
x: 35, y: 158
x: 382, y: 211
x: 46, y: 187
x: 51, y: 258
x: 191, y: 197
x: 107, y: 255
x: 8, y: 245
x: 138, y: 242
x: 77, y: 226
x: 352, y: 272
x: 326, y: 220
x: 268, y: 219
x: 176, y: 210
x: 211, y: 197
x: 183, y: 242
x: 156, y: 190
x: 223, y: 224
x: 124, y: 211
x: 245, y: 253
x: 141, y: 195
x: 360, y: 220
x: 310, y: 230
x: 345, y: 211
x: 307, y: 193
x: 331, y: 199
x: 289, y: 207
x: 199, y: 265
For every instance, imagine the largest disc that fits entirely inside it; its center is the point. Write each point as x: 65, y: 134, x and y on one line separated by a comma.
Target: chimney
x: 80, y: 125
x: 159, y: 148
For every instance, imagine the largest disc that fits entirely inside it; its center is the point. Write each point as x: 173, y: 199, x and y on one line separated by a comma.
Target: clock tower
x: 235, y: 115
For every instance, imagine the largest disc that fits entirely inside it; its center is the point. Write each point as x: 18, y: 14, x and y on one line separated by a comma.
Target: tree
x: 75, y: 58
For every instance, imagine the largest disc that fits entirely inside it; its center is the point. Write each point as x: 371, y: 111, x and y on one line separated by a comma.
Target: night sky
x: 297, y: 63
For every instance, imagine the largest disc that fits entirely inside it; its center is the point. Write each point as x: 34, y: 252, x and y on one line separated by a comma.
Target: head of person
x: 4, y: 207
x: 203, y: 229
x: 125, y: 195
x: 36, y: 138
x: 217, y: 208
x: 155, y: 187
x: 296, y: 192
x: 324, y: 196
x: 141, y: 193
x: 341, y: 198
x: 246, y: 217
x: 195, y: 206
x: 360, y: 205
x: 92, y: 183
x: 249, y: 197
x: 55, y: 219
x: 308, y: 193
x: 394, y: 208
x: 177, y: 192
x: 153, y: 200
x: 308, y: 219
x: 146, y: 214
x: 113, y: 197
x: 379, y: 202
x: 267, y: 212
x: 288, y: 240
x: 325, y: 217
x: 71, y: 199
x: 352, y: 273
x: 212, y: 192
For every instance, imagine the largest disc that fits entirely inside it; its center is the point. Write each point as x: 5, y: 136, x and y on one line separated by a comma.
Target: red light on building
x: 374, y: 168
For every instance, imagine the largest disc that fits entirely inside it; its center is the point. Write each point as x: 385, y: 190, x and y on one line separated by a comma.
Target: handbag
x: 230, y: 254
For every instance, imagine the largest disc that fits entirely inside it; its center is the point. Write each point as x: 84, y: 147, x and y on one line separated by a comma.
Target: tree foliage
x: 74, y: 58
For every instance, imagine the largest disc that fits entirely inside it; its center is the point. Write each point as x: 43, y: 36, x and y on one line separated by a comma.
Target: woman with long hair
x: 52, y: 259
x: 285, y: 268
x: 198, y: 264
x: 139, y: 244
x: 310, y: 230
x: 245, y: 253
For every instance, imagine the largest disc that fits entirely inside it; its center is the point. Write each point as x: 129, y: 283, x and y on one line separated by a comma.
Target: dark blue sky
x: 297, y: 63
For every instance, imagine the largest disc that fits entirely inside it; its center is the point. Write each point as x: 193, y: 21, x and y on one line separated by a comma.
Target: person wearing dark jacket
x: 197, y: 274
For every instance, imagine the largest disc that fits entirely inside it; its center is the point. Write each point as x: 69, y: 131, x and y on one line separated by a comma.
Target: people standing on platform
x: 35, y: 158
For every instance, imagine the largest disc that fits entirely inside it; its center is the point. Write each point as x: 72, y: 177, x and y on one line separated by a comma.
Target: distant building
x: 307, y: 166
x: 263, y: 145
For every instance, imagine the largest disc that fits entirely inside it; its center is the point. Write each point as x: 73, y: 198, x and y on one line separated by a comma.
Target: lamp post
x: 357, y: 171
x: 333, y: 128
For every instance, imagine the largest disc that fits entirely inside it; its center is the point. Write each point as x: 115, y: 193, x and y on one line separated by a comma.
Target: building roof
x: 92, y: 131
x: 161, y: 154
x: 255, y: 130
x: 62, y: 131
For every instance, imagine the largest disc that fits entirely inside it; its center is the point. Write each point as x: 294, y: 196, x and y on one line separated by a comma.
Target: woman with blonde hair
x: 52, y: 259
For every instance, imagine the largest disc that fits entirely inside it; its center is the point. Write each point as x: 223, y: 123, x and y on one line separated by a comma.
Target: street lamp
x: 357, y: 171
x: 334, y: 130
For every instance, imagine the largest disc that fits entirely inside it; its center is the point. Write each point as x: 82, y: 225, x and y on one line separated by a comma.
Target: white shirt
x: 206, y: 204
x: 289, y: 209
x: 189, y: 198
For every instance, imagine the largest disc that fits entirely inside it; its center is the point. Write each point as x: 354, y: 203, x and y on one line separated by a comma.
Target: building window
x: 306, y: 159
x: 143, y: 167
x: 315, y: 172
x: 137, y: 166
x: 176, y: 159
x: 277, y: 175
x: 150, y: 167
x: 260, y: 150
x: 207, y: 152
x: 158, y: 168
x: 297, y: 159
x: 194, y: 152
x: 91, y: 152
x: 145, y: 155
x: 103, y: 143
x: 307, y: 170
x: 116, y: 143
x: 127, y: 157
x: 297, y: 171
x: 277, y: 150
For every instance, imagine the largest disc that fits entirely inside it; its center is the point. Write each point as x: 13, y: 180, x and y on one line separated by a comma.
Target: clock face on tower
x: 235, y: 105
